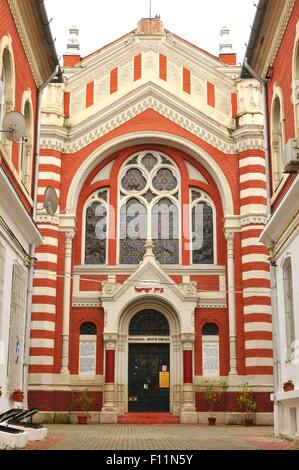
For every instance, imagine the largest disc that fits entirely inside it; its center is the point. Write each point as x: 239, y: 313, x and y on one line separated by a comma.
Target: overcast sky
x: 198, y: 21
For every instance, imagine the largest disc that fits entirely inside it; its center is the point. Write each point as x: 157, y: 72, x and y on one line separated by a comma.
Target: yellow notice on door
x: 164, y: 380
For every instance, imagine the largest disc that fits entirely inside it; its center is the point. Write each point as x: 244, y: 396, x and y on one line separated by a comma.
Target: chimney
x: 72, y: 55
x: 226, y: 53
x: 151, y: 26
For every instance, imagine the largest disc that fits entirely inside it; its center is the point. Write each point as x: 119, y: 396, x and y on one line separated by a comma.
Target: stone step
x: 148, y: 418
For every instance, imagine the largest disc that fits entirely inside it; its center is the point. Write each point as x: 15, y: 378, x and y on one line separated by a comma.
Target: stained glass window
x: 165, y: 180
x: 203, y: 236
x: 96, y: 234
x: 133, y: 231
x: 88, y: 329
x: 134, y: 180
x: 147, y: 176
x: 165, y: 232
x: 149, y: 161
x: 210, y: 329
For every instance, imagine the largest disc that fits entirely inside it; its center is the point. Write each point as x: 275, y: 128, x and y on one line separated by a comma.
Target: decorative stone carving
x: 187, y: 340
x: 110, y: 340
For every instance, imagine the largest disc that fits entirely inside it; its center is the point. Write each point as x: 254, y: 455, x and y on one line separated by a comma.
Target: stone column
x: 231, y: 303
x: 69, y: 236
x: 109, y: 410
x: 188, y: 411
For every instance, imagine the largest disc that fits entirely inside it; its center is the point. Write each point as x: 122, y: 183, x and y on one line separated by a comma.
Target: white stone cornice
x: 26, y: 41
x: 254, y: 219
x: 280, y: 30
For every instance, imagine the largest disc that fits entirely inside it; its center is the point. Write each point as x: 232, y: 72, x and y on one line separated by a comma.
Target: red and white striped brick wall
x: 42, y: 346
x: 255, y: 273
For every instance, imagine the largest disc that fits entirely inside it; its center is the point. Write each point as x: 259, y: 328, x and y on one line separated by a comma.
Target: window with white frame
x: 210, y: 350
x: 2, y: 261
x: 96, y: 223
x: 17, y: 327
x: 203, y: 237
x: 88, y: 349
x: 149, y: 208
x: 289, y: 307
x: 277, y: 142
x: 26, y: 148
x: 6, y: 87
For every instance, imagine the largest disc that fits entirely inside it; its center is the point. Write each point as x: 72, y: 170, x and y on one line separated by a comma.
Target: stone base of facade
x: 260, y: 419
x: 108, y: 417
x: 188, y: 417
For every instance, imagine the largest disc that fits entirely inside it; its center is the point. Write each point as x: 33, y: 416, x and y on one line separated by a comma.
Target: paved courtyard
x: 160, y: 437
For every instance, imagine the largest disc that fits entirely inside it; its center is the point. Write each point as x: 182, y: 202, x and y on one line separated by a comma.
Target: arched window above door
x: 149, y: 323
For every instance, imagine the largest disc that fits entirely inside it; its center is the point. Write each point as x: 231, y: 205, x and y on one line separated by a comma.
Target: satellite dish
x: 50, y: 201
x: 14, y: 126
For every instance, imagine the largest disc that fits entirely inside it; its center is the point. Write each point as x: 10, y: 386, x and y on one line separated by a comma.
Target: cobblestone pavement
x: 160, y: 437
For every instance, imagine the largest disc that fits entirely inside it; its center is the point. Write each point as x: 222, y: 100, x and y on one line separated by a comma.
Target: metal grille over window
x: 145, y: 212
x: 88, y: 329
x: 210, y: 329
x: 96, y: 230
x: 149, y: 323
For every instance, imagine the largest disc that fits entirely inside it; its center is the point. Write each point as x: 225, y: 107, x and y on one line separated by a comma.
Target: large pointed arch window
x: 149, y: 201
x: 203, y: 251
x: 96, y: 228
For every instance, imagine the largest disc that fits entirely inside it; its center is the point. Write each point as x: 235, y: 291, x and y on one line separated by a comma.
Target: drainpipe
x: 32, y: 245
x: 273, y: 276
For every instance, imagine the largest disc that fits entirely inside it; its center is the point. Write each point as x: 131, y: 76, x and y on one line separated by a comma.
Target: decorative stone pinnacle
x: 226, y: 46
x: 73, y: 43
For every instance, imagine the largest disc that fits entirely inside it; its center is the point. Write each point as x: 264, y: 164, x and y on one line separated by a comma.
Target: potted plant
x: 211, y: 395
x: 17, y: 395
x: 84, y: 402
x: 288, y: 386
x: 247, y: 404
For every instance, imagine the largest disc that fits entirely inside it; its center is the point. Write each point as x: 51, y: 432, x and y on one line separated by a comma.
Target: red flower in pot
x: 17, y: 396
x: 288, y: 386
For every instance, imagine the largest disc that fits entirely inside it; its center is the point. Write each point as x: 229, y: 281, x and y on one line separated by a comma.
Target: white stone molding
x: 26, y: 41
x: 153, y: 137
x: 231, y: 302
x: 69, y: 236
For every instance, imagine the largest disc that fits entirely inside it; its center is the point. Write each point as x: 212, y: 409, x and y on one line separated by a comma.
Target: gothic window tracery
x: 149, y: 201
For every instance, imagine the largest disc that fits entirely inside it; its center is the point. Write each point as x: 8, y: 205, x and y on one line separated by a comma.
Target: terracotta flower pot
x: 248, y: 422
x: 288, y: 388
x: 82, y: 419
x: 212, y: 421
x: 17, y: 397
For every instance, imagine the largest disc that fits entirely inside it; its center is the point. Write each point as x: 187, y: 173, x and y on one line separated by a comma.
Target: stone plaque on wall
x: 211, y: 359
x: 87, y: 358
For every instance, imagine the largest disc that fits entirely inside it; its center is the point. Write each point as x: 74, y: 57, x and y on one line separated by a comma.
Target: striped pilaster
x: 43, y: 319
x: 255, y: 266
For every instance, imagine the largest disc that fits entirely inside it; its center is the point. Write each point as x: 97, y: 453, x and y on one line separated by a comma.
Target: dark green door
x: 146, y: 361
